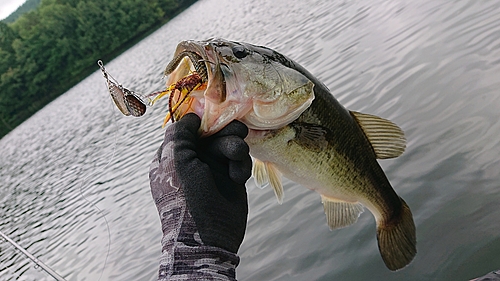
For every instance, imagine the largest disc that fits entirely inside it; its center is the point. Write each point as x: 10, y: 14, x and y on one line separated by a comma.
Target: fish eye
x: 240, y: 51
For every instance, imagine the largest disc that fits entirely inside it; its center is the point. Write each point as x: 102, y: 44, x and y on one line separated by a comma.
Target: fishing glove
x: 198, y: 185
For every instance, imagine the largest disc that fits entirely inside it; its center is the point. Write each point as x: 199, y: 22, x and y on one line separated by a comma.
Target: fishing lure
x: 179, y: 95
x: 128, y: 102
x: 131, y: 103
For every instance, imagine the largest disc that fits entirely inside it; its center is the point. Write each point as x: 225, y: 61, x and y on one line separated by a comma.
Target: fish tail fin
x: 397, y: 239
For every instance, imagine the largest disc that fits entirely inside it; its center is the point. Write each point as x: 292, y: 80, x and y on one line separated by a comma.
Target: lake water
x: 433, y: 67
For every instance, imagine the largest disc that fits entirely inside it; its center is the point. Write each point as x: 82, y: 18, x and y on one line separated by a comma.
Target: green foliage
x: 48, y: 49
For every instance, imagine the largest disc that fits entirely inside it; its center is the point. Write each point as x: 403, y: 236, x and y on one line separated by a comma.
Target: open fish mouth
x: 222, y: 81
x: 320, y: 145
x: 194, y: 75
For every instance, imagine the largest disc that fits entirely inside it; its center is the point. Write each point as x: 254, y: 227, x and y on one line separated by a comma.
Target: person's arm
x: 198, y: 186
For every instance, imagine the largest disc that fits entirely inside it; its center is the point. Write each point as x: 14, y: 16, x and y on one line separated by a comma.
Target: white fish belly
x: 312, y: 169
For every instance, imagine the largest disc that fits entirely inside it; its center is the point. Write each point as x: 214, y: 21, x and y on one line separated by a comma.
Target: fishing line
x: 40, y: 264
x: 128, y: 103
x: 99, y: 211
x: 43, y: 266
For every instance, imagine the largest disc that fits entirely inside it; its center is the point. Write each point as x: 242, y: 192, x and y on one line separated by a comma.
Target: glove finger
x: 229, y: 147
x: 194, y: 174
x: 186, y: 128
x: 240, y: 171
x: 185, y: 137
x: 234, y: 128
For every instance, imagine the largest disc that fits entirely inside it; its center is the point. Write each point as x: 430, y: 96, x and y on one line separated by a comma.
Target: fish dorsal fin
x: 386, y: 138
x: 340, y: 213
x: 266, y: 173
x: 259, y: 173
x: 310, y: 135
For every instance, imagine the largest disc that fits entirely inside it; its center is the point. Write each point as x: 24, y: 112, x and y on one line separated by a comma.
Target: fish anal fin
x: 310, y: 135
x: 275, y: 181
x: 386, y: 138
x: 339, y: 213
x: 259, y: 173
x: 397, y: 239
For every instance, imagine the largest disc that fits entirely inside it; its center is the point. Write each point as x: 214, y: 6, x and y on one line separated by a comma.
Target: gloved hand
x: 198, y: 185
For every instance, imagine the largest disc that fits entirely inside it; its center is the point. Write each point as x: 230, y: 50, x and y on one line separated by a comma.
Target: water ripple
x: 430, y: 66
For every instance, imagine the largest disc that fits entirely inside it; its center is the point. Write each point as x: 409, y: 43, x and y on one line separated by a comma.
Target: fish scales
x: 348, y: 164
x: 335, y: 165
x: 298, y: 129
x: 353, y: 157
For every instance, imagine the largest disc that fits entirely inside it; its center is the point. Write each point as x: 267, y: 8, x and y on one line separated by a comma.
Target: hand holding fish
x: 296, y: 129
x: 198, y: 186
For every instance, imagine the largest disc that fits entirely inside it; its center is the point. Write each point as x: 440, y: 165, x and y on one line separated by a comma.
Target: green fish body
x: 299, y: 130
x: 333, y: 151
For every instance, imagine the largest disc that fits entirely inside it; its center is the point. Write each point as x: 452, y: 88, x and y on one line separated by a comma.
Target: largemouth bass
x: 298, y: 130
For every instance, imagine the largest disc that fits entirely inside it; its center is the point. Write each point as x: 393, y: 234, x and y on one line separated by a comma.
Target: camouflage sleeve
x: 184, y: 255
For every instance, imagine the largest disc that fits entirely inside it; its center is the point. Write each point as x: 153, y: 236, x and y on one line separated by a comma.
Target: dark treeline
x: 48, y: 50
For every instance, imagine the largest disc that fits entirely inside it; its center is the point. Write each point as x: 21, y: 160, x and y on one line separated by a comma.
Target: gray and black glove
x: 198, y: 185
x: 212, y: 172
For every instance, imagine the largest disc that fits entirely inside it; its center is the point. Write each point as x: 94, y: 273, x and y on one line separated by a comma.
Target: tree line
x: 47, y: 50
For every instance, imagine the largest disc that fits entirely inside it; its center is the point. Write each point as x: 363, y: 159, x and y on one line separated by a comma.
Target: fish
x: 297, y: 129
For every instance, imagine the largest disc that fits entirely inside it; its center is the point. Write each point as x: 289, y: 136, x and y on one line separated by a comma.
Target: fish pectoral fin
x: 386, y: 138
x: 275, y: 181
x: 339, y: 213
x: 259, y: 173
x: 310, y: 135
x: 266, y: 173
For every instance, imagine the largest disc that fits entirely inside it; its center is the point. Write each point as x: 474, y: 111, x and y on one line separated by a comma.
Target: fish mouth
x: 207, y: 78
x: 195, y: 84
x: 197, y: 57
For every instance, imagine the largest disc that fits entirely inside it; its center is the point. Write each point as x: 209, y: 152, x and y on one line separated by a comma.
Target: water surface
x: 433, y: 67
